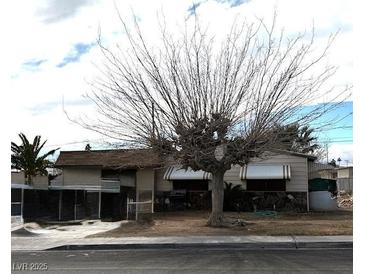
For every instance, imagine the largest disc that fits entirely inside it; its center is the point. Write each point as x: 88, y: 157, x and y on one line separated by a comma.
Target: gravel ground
x: 194, y: 223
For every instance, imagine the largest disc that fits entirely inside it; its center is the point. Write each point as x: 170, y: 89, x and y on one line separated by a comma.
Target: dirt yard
x: 191, y: 223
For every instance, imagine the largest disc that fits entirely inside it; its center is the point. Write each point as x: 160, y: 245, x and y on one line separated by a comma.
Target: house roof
x: 309, y: 157
x: 344, y: 167
x: 324, y: 167
x: 115, y: 158
x: 122, y: 158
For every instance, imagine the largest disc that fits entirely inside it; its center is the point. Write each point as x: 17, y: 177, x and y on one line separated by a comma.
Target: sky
x: 50, y: 55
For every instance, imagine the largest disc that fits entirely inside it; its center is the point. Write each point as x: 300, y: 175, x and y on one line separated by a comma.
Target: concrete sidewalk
x: 33, y: 237
x: 39, y: 243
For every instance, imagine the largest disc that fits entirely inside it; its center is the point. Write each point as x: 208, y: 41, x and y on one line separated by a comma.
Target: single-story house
x: 107, y: 184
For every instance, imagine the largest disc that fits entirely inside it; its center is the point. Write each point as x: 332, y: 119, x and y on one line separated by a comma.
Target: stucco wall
x: 145, y: 184
x: 232, y: 176
x: 145, y: 179
x: 39, y: 182
x: 81, y: 176
x: 344, y: 173
x: 17, y: 178
x: 161, y: 184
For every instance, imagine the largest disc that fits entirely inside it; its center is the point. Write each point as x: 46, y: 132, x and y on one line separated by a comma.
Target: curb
x: 345, y: 244
x: 276, y: 245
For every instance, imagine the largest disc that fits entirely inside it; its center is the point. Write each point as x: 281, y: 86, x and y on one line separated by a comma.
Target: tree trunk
x: 28, y: 179
x: 216, y: 216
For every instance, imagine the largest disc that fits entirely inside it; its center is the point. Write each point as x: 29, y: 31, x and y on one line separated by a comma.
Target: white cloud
x: 343, y: 151
x: 53, y: 10
x: 30, y: 38
x: 54, y: 126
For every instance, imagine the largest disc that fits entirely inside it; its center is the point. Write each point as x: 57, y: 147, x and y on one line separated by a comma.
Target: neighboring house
x: 345, y: 179
x: 323, y: 171
x: 345, y: 172
x: 343, y: 176
x: 323, y: 187
x: 106, y: 183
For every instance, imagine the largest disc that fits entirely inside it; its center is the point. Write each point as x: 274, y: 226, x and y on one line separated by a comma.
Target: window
x: 16, y: 198
x: 191, y: 185
x: 16, y: 195
x: 266, y: 185
x: 110, y: 174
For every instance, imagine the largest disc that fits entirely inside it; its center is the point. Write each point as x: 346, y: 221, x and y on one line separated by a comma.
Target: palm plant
x: 232, y: 195
x: 305, y: 140
x: 26, y: 157
x: 295, y: 138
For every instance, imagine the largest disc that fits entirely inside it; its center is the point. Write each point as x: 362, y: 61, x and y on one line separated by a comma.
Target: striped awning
x: 179, y: 173
x: 257, y: 172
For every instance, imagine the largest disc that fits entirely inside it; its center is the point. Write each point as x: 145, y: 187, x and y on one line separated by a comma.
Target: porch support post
x: 153, y: 201
x: 127, y: 206
x: 153, y: 193
x: 136, y: 211
x: 22, y: 206
x: 137, y: 200
x: 60, y: 205
x: 99, y: 211
x: 75, y: 205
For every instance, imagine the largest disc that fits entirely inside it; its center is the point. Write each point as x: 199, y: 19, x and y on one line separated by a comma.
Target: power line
x: 332, y: 120
x: 336, y: 141
x: 343, y: 127
x: 73, y: 143
x: 341, y: 138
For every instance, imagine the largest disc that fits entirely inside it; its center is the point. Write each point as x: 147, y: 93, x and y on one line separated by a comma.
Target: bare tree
x: 210, y: 104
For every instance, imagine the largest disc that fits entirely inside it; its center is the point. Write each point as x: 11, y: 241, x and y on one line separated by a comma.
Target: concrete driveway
x: 68, y: 231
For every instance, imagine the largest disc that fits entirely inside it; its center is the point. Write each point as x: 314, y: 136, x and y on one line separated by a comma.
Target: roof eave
x: 309, y: 157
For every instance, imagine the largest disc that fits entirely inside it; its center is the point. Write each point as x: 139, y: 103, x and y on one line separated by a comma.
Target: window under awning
x: 179, y: 173
x: 256, y: 172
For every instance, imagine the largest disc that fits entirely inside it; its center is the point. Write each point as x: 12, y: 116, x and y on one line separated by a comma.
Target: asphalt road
x: 185, y: 261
